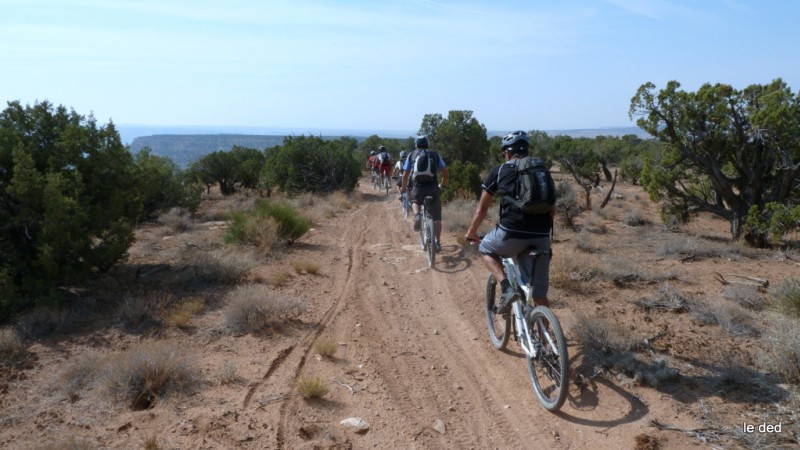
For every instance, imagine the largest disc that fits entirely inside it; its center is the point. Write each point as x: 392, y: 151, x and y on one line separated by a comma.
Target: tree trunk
x: 606, y: 171
x: 588, y: 189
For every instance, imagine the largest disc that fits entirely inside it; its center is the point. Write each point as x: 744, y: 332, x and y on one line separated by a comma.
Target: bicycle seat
x: 535, y: 253
x: 428, y: 198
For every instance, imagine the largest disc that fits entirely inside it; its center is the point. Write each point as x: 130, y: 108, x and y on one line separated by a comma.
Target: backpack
x: 385, y: 158
x: 424, y: 166
x: 535, y: 189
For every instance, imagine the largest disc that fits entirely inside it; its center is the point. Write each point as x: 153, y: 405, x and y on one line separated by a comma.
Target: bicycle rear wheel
x: 549, y: 370
x: 499, y: 325
x: 431, y: 241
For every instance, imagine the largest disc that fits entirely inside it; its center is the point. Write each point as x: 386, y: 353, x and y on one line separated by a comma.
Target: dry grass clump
x: 746, y: 296
x: 80, y: 373
x: 226, y: 266
x: 306, y: 266
x: 228, y: 373
x: 786, y: 297
x: 584, y: 243
x: 634, y: 218
x: 595, y: 224
x: 732, y: 318
x: 457, y: 215
x: 148, y: 373
x: 624, y: 271
x: 666, y: 298
x: 312, y: 388
x: 44, y: 321
x: 180, y: 315
x: 611, y: 346
x: 567, y: 206
x: 177, y: 219
x: 70, y: 442
x: 10, y: 344
x: 345, y: 201
x: 138, y: 313
x: 327, y: 348
x: 783, y: 343
x: 220, y: 207
x: 570, y: 272
x: 277, y: 279
x: 253, y: 307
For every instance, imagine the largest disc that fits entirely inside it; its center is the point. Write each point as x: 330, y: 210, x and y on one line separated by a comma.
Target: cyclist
x: 516, y: 230
x: 372, y: 164
x: 384, y: 162
x: 425, y: 184
x: 397, y: 171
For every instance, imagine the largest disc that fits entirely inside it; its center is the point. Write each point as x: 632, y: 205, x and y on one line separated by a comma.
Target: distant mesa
x: 188, y: 144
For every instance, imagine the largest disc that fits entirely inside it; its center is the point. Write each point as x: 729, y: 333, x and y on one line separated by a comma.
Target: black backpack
x: 424, y: 166
x: 535, y: 190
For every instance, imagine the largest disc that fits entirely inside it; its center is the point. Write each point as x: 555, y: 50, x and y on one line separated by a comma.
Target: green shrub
x: 464, y: 182
x: 247, y: 226
x: 161, y: 185
x: 69, y: 202
x: 311, y: 164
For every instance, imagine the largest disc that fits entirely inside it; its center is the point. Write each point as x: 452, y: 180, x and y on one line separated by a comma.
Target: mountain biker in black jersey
x: 516, y: 230
x: 426, y: 185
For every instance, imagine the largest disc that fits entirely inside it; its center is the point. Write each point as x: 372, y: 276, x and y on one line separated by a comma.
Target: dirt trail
x: 414, y: 350
x: 414, y: 360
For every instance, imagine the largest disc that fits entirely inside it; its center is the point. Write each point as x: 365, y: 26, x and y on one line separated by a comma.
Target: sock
x: 505, y: 285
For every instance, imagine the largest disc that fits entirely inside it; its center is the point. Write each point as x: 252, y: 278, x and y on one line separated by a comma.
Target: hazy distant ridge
x: 187, y: 145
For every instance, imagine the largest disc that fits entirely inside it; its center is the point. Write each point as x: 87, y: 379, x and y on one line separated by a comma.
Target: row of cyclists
x: 418, y: 173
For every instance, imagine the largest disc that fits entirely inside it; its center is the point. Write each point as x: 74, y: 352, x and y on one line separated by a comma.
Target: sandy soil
x: 413, y: 358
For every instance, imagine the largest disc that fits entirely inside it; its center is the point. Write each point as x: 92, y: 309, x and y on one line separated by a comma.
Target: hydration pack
x: 424, y: 166
x: 535, y: 190
x: 385, y: 158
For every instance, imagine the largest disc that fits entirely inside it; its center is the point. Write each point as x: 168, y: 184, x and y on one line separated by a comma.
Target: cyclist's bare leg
x: 495, y: 266
x: 541, y: 301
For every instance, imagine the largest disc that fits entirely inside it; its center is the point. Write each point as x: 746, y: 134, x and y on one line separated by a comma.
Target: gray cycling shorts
x: 497, y: 242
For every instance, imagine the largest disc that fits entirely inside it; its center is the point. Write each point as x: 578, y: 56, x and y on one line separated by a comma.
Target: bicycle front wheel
x: 499, y: 324
x: 549, y: 369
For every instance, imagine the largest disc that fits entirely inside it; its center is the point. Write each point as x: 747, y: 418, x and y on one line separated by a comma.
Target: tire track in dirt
x: 353, y: 258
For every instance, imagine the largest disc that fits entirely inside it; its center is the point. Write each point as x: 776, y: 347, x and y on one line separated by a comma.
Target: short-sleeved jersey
x: 501, y: 180
x: 409, y: 165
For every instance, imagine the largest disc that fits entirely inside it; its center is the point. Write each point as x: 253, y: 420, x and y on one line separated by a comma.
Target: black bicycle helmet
x: 381, y: 149
x: 516, y: 142
x: 421, y: 142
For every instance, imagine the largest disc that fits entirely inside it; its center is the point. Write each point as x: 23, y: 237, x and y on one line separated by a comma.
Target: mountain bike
x: 405, y: 204
x: 375, y: 180
x: 385, y: 182
x: 427, y: 232
x: 536, y: 329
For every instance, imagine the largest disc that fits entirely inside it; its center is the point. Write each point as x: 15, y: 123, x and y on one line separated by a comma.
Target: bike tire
x: 499, y: 325
x: 431, y: 239
x: 549, y: 371
x: 406, y: 206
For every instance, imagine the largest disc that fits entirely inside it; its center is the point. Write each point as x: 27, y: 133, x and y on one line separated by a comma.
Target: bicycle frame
x: 513, y: 270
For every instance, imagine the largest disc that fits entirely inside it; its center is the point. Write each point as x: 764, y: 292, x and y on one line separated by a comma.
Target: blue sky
x: 382, y: 65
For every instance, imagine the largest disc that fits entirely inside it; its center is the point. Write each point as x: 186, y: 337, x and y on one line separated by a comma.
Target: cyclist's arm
x: 480, y: 213
x: 404, y: 184
x: 445, y: 178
